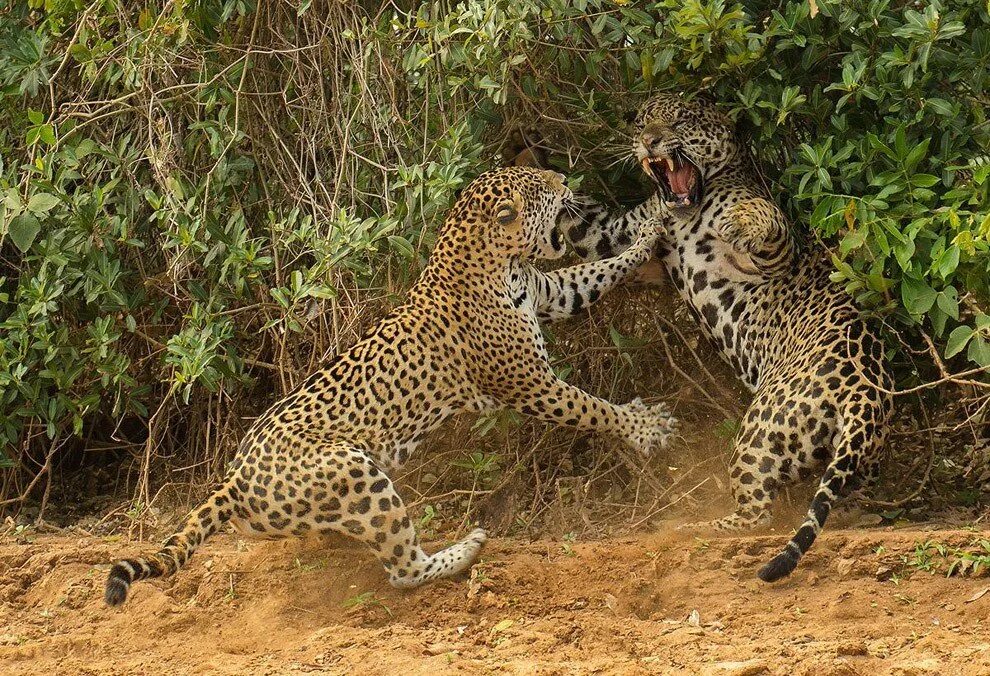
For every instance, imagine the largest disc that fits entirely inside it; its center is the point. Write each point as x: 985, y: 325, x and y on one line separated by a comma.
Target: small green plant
x: 425, y: 524
x: 136, y: 510
x: 935, y: 557
x: 567, y: 547
x: 365, y: 600
x: 501, y: 420
x: 625, y: 345
x: 24, y: 532
x: 482, y: 466
x: 429, y: 513
x: 727, y: 430
x: 302, y: 566
x: 232, y: 593
x: 968, y: 497
x: 479, y: 573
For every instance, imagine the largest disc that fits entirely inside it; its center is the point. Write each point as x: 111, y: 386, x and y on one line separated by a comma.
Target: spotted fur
x: 813, y: 362
x: 467, y: 339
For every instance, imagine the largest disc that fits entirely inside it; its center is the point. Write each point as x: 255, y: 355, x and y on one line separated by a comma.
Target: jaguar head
x: 525, y: 208
x: 680, y: 144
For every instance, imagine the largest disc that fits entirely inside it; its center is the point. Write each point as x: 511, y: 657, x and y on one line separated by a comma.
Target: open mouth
x: 679, y: 180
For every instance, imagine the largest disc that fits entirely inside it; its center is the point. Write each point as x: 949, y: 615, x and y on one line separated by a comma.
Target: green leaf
x: 402, y: 245
x: 624, y: 342
x: 80, y: 53
x: 85, y: 147
x: 854, y: 239
x: 979, y: 351
x: 939, y: 106
x: 948, y: 261
x: 23, y: 230
x: 47, y: 134
x: 41, y: 203
x: 321, y: 291
x: 957, y: 340
x: 646, y: 65
x: 924, y: 180
x: 916, y: 154
x: 938, y: 319
x: 948, y: 302
x: 917, y: 296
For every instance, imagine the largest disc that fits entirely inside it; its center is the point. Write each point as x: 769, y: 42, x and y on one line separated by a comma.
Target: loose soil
x: 663, y: 602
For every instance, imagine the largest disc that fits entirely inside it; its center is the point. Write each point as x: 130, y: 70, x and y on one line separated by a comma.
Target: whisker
x: 572, y: 208
x: 617, y: 155
x: 627, y: 159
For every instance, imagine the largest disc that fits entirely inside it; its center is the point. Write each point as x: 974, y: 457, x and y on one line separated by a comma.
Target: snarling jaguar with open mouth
x: 678, y: 178
x: 822, y: 391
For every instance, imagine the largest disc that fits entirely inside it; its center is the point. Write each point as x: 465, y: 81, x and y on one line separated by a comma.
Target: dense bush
x: 201, y: 195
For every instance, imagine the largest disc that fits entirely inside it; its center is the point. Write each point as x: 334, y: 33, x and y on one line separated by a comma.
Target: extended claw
x: 661, y: 426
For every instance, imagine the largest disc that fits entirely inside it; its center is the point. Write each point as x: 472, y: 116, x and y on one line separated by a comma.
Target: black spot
x: 700, y: 281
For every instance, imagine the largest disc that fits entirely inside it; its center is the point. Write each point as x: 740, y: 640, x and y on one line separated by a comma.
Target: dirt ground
x: 861, y: 603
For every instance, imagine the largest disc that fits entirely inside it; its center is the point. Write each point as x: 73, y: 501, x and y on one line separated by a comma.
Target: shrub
x: 205, y: 195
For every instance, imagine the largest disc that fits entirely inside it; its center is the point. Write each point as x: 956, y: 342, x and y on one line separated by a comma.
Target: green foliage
x: 365, y: 601
x: 936, y: 557
x: 483, y: 467
x: 871, y: 117
x: 190, y: 192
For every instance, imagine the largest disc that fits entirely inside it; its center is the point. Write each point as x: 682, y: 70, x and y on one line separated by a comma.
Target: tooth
x: 671, y: 165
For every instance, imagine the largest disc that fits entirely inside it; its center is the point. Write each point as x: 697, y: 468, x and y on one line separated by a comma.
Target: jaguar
x: 814, y: 363
x: 467, y: 339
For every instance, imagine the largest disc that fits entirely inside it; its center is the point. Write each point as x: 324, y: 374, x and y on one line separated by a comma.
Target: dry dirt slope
x: 613, y: 606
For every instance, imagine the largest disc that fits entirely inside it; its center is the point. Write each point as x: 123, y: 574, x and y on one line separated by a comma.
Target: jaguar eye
x: 506, y: 215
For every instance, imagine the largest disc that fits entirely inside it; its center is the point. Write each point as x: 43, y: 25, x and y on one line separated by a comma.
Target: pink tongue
x: 682, y: 180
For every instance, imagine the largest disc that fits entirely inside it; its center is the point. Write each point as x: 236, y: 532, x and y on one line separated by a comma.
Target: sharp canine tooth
x: 670, y: 164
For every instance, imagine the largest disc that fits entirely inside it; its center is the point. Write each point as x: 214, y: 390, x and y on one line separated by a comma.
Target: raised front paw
x: 651, y: 231
x: 653, y: 426
x: 747, y: 224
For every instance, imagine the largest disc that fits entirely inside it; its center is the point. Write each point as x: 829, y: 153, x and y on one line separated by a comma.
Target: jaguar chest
x: 726, y: 299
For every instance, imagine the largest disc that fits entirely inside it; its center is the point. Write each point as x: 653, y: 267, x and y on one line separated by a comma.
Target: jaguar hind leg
x: 778, y: 443
x: 364, y: 504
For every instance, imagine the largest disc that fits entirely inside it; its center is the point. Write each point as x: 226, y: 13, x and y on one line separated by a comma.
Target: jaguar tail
x: 200, y: 524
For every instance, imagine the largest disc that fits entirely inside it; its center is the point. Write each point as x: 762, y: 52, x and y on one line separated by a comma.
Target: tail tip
x: 116, y: 590
x: 778, y: 567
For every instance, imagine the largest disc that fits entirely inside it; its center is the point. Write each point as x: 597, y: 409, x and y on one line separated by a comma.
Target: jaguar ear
x: 508, y: 212
x: 706, y: 98
x: 554, y: 178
